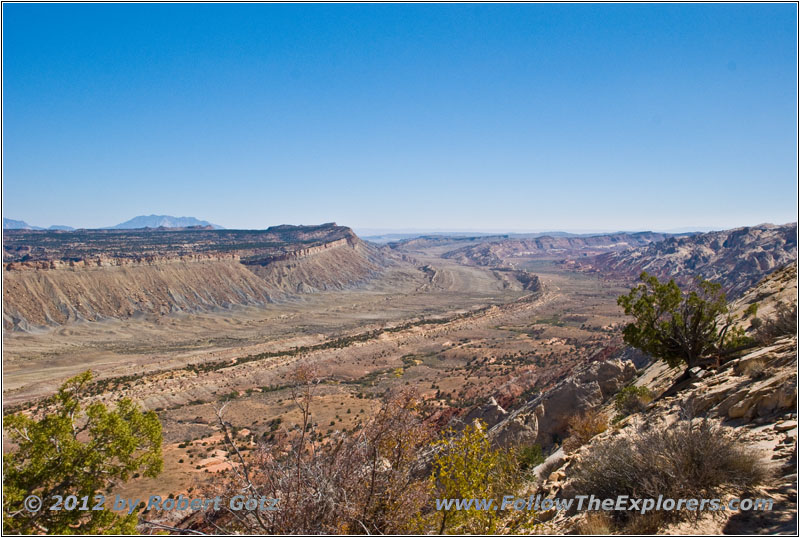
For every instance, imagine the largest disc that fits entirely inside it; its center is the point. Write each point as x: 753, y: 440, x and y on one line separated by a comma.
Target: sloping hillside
x: 342, y: 264
x: 35, y: 297
x: 737, y: 258
x: 742, y: 413
x: 54, y: 289
x: 764, y: 299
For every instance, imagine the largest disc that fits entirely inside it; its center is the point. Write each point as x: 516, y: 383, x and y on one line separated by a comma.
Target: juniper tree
x: 679, y: 326
x: 70, y: 452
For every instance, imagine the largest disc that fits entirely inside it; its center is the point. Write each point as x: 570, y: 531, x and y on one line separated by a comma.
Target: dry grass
x: 783, y: 323
x: 755, y: 369
x: 583, y: 427
x: 690, y: 459
x: 595, y: 524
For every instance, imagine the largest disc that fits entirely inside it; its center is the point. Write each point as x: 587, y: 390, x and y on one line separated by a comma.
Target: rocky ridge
x: 762, y: 411
x: 505, y: 252
x: 69, y: 278
x: 736, y: 258
x: 545, y: 419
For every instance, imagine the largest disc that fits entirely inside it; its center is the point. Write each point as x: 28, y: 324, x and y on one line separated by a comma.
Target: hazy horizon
x: 374, y: 232
x: 525, y: 117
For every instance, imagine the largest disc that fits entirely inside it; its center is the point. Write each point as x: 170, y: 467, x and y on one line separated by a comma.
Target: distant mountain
x: 11, y: 224
x: 162, y: 221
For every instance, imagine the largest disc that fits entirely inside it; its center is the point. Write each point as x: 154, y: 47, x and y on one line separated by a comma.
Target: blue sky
x: 456, y: 117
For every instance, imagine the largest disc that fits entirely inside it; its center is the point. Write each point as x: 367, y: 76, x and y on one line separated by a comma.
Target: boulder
x: 785, y: 426
x: 556, y: 460
x: 558, y: 406
x: 519, y: 428
x: 490, y: 413
x: 610, y: 375
x: 545, y: 419
x: 697, y: 373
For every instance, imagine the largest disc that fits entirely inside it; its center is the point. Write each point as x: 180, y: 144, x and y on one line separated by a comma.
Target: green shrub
x: 466, y: 466
x: 632, y: 399
x: 529, y: 457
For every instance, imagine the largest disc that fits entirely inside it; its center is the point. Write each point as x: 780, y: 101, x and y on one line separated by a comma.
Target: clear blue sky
x: 479, y: 117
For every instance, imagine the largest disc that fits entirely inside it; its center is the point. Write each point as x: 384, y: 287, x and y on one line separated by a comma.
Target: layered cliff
x: 338, y: 265
x: 35, y: 297
x: 50, y: 285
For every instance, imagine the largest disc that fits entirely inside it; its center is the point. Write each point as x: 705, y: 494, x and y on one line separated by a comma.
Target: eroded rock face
x: 736, y: 258
x: 779, y: 287
x: 758, y: 403
x: 92, y: 275
x: 520, y: 428
x: 545, y: 419
x: 502, y: 252
x: 490, y: 413
x: 610, y: 375
x: 754, y: 386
